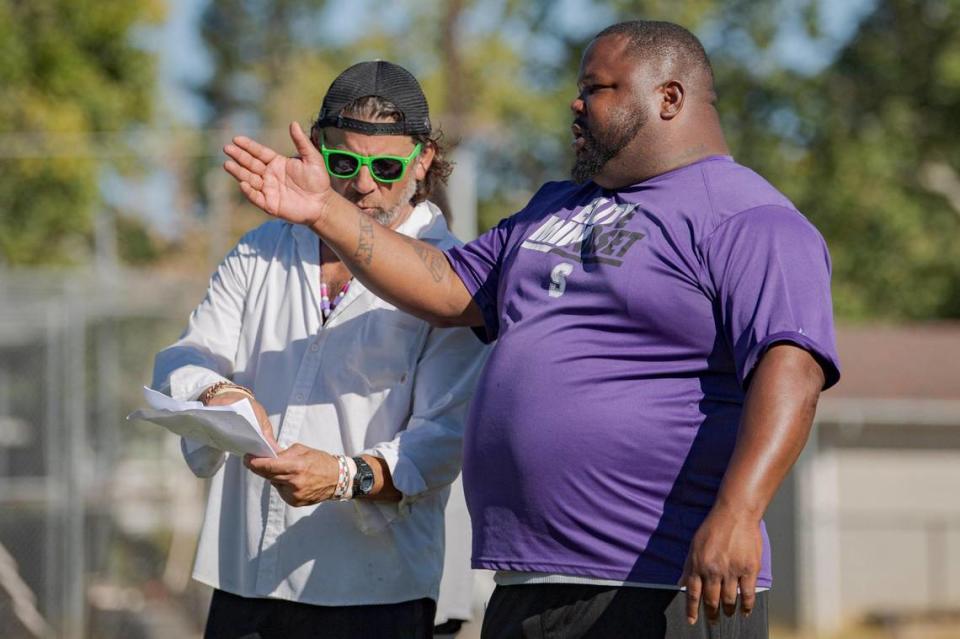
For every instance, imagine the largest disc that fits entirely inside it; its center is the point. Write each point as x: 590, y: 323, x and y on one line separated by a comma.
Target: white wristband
x: 343, y: 472
x: 351, y: 474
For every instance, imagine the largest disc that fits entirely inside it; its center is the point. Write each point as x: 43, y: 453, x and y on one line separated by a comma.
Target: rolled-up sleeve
x: 769, y: 269
x: 427, y: 454
x: 205, y: 353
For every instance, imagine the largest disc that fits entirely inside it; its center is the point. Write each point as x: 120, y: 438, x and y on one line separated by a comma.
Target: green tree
x: 68, y: 68
x: 499, y: 76
x: 881, y: 173
x: 866, y: 145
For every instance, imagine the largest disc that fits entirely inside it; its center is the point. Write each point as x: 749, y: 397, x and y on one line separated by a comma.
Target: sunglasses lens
x: 387, y: 168
x: 341, y: 164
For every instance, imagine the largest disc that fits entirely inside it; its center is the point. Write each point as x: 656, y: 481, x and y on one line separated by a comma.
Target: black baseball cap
x: 384, y: 80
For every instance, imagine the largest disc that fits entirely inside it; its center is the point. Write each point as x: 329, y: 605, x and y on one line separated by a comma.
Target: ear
x: 424, y: 159
x: 671, y: 99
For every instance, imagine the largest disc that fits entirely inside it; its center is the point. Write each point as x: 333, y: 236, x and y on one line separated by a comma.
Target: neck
x: 649, y: 157
x: 402, y: 216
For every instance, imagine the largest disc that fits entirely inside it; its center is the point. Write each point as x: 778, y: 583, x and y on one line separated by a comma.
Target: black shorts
x: 569, y: 611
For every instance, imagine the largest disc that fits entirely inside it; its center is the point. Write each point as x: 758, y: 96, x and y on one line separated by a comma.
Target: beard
x: 603, y: 145
x: 386, y: 217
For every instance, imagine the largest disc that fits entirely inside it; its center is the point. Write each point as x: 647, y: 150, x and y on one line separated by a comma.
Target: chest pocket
x: 384, y: 351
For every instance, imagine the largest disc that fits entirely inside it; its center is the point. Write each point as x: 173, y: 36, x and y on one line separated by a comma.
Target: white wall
x: 880, y: 532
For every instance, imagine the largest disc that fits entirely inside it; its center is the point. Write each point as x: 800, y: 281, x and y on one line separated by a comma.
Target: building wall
x: 878, y: 512
x: 899, y: 527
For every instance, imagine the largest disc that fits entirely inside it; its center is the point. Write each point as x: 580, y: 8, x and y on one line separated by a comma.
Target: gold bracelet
x: 221, y: 388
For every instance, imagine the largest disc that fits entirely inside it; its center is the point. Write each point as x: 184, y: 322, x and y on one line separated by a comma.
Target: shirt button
x: 315, y: 347
x: 299, y: 397
x: 403, y: 378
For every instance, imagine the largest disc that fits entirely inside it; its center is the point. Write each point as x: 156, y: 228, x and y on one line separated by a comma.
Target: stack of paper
x: 233, y: 428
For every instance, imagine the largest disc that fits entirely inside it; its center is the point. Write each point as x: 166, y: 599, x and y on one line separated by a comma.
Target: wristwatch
x: 363, y: 480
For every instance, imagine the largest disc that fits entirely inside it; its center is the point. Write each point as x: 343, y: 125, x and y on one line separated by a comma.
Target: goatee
x: 387, y: 217
x: 599, y: 149
x: 591, y: 158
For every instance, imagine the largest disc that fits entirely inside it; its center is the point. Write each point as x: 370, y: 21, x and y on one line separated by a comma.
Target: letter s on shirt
x: 558, y: 279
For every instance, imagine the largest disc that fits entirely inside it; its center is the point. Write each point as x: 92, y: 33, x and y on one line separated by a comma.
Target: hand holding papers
x: 232, y: 428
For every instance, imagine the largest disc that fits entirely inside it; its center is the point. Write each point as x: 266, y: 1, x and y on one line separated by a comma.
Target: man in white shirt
x: 342, y: 534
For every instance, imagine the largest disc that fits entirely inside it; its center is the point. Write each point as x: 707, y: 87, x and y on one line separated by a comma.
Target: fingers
x: 694, y: 590
x: 256, y: 197
x: 263, y: 153
x: 711, y: 598
x: 254, y: 466
x: 274, y: 469
x: 245, y: 160
x: 241, y: 174
x: 748, y: 593
x: 247, y: 169
x: 302, y: 143
x: 297, y: 450
x: 728, y: 596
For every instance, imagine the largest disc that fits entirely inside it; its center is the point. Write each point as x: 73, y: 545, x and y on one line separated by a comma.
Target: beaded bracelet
x: 223, y: 387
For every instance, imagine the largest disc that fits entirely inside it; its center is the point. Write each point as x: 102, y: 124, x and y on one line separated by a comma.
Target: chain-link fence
x: 97, y: 515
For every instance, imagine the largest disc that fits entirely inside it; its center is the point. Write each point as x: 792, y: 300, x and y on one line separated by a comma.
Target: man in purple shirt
x: 663, y: 330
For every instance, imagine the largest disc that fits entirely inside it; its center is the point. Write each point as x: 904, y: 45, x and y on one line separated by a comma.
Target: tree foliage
x: 68, y: 68
x: 881, y: 172
x: 865, y: 145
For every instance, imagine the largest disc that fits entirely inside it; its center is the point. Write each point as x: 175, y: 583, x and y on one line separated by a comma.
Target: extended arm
x: 726, y: 551
x: 413, y: 275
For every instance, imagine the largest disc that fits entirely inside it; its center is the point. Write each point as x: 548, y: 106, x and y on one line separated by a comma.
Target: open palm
x: 293, y: 189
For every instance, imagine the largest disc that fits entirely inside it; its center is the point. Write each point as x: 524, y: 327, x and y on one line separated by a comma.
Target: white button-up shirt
x: 371, y: 380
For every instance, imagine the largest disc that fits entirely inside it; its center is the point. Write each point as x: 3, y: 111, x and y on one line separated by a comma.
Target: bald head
x: 672, y: 53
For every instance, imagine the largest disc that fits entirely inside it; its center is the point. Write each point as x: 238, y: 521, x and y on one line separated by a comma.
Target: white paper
x: 233, y: 428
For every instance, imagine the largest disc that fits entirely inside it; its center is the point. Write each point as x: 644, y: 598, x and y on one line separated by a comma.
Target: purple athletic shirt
x: 627, y: 324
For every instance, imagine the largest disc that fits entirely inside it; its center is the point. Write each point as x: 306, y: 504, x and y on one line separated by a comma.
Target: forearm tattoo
x: 434, y: 261
x: 364, y: 252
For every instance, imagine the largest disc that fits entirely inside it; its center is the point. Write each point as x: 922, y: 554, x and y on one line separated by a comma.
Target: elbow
x: 440, y: 321
x: 463, y: 313
x: 445, y: 317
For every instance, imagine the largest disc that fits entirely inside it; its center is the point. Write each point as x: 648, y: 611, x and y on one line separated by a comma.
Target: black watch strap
x: 363, y: 480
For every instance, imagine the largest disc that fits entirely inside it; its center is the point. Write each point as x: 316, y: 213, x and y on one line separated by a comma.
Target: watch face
x: 366, y: 483
x: 363, y: 482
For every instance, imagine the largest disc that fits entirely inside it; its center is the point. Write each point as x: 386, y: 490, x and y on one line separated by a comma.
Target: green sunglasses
x: 384, y: 168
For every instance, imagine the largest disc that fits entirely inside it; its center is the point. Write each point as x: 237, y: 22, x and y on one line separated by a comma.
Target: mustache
x: 357, y: 200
